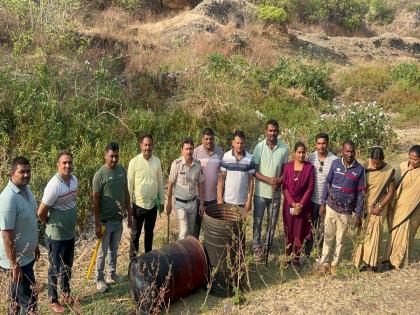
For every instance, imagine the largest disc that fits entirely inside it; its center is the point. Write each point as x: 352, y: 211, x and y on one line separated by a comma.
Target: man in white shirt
x: 236, y: 177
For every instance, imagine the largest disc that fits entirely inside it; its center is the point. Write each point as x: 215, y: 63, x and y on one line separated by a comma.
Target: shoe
x: 363, y: 267
x: 56, y: 307
x: 112, y: 279
x: 101, y: 286
x: 386, y: 266
x: 333, y: 271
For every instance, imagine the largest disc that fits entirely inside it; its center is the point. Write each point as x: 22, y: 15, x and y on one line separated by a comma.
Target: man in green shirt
x: 110, y: 201
x: 270, y: 155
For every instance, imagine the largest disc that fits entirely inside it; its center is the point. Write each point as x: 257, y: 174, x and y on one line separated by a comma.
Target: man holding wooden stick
x: 110, y: 200
x: 270, y: 155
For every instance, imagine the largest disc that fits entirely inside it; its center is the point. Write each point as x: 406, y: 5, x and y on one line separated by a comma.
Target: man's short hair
x: 272, y: 122
x: 349, y: 142
x: 64, y: 152
x: 239, y: 134
x: 208, y: 132
x: 187, y: 141
x: 20, y: 160
x: 113, y: 146
x: 415, y: 149
x: 146, y: 135
x: 322, y: 135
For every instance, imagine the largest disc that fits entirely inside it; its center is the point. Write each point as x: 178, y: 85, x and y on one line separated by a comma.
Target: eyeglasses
x: 320, y: 169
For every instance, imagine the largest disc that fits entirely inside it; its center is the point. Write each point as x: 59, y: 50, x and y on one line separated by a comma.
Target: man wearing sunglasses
x: 321, y: 159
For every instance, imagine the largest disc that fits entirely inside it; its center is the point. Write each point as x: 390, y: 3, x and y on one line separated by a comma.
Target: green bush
x: 364, y: 123
x: 346, y: 13
x: 272, y: 14
x: 381, y: 11
x: 314, y: 80
x: 408, y: 74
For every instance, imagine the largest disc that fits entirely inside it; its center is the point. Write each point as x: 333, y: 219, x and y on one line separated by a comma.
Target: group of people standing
x: 322, y: 192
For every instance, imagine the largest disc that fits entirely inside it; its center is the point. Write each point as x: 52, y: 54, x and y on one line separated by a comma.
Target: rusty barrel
x: 162, y: 276
x: 224, y: 243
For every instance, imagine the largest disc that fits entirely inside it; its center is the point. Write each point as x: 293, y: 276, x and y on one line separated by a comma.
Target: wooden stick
x: 95, y: 254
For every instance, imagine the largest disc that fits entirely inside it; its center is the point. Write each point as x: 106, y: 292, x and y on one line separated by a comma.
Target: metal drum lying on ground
x: 161, y: 276
x: 224, y: 243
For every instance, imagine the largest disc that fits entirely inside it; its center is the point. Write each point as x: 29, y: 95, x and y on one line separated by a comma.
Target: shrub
x: 272, y: 14
x: 218, y: 63
x: 364, y: 123
x: 346, y: 13
x: 292, y: 73
x: 408, y: 74
x: 364, y: 82
x: 381, y: 11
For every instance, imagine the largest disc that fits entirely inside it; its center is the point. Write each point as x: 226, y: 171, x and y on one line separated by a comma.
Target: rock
x: 238, y: 41
x: 179, y: 4
x: 224, y: 11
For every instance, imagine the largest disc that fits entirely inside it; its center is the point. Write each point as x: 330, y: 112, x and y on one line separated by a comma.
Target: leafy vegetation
x: 272, y: 14
x: 396, y: 88
x: 381, y: 11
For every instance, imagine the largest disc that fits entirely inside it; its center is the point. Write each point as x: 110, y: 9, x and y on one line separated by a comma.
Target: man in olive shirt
x: 58, y: 211
x: 185, y: 178
x: 110, y: 201
x: 145, y: 185
x: 18, y: 254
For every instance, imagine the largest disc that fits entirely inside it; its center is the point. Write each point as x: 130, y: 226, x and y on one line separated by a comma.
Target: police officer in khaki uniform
x: 184, y: 179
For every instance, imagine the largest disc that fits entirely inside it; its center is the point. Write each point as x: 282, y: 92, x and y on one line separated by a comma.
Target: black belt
x: 184, y: 201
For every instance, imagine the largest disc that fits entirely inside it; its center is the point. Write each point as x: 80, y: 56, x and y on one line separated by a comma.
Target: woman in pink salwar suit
x: 298, y: 185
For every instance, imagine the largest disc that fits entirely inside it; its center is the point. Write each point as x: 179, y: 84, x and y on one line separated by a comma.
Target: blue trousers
x: 60, y: 257
x: 23, y: 294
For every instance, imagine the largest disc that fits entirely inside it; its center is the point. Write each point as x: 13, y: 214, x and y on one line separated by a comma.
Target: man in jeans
x: 270, y: 155
x: 145, y: 184
x: 343, y: 195
x: 58, y: 211
x: 18, y: 254
x: 321, y: 159
x: 185, y: 178
x: 210, y: 157
x: 110, y: 201
x: 236, y: 177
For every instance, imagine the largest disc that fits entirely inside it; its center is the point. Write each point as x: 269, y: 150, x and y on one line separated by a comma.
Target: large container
x: 224, y: 243
x: 162, y: 276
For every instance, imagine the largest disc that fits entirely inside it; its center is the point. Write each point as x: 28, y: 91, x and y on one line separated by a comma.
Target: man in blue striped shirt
x: 236, y: 177
x: 343, y: 194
